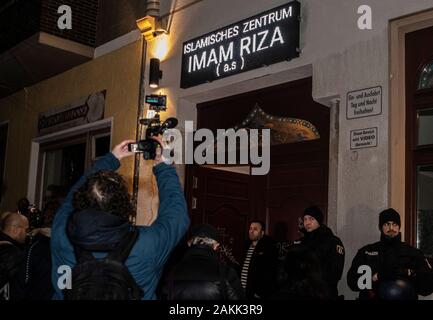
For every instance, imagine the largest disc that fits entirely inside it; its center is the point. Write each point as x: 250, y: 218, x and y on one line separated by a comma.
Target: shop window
x: 101, y: 145
x: 425, y: 208
x: 63, y: 162
x: 63, y: 166
x: 426, y: 78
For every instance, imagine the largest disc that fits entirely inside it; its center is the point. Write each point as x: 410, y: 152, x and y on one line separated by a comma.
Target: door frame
x: 397, y: 179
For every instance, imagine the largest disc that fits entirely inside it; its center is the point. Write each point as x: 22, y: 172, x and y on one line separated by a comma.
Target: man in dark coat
x: 38, y: 284
x: 302, y: 277
x: 259, y: 269
x: 397, y: 271
x: 327, y: 249
x: 13, y: 231
x: 201, y: 275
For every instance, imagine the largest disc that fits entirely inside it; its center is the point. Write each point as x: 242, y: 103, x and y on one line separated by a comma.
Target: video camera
x: 154, y: 128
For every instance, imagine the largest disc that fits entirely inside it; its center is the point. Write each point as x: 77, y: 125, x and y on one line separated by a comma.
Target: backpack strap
x: 123, y: 249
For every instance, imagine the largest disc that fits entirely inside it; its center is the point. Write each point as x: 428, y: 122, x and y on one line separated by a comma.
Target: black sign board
x: 267, y: 38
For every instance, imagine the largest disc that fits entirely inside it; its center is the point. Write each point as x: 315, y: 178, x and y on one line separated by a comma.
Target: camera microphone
x: 148, y: 145
x: 168, y: 124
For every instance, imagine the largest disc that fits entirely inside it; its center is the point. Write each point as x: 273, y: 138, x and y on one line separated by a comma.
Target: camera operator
x: 96, y: 214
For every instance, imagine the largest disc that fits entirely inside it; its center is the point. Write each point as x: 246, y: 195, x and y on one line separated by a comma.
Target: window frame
x: 87, y: 137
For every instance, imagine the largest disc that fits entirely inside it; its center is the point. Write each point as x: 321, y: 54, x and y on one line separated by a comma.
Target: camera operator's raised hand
x: 121, y: 150
x: 159, y: 157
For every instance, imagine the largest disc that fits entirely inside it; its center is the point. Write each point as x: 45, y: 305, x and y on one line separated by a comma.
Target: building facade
x: 361, y: 75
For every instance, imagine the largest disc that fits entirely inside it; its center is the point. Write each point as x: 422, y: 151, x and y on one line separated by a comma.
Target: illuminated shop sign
x: 267, y: 38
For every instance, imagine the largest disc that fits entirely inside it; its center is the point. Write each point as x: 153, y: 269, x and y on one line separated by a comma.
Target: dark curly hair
x: 105, y: 191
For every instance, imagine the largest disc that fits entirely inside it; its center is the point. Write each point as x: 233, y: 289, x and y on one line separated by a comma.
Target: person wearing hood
x: 322, y: 246
x: 201, y: 275
x: 398, y: 271
x: 95, y: 215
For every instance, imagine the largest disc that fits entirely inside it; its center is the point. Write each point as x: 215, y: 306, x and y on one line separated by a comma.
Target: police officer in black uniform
x: 326, y: 248
x: 390, y: 269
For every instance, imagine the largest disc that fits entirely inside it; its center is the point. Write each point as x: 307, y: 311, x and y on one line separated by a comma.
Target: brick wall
x: 117, y: 17
x: 18, y: 21
x: 84, y: 20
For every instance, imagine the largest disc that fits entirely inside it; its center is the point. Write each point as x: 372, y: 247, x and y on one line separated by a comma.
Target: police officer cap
x: 315, y: 212
x: 388, y: 215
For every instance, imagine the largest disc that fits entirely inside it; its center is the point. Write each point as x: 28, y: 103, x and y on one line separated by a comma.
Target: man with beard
x: 258, y: 275
x: 398, y: 270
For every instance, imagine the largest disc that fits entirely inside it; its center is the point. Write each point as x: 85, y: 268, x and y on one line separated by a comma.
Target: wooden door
x: 419, y: 139
x: 298, y: 174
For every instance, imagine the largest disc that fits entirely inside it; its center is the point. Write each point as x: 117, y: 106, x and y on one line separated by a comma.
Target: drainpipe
x: 152, y: 10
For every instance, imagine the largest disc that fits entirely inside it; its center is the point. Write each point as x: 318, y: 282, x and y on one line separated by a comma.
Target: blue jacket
x: 154, y: 242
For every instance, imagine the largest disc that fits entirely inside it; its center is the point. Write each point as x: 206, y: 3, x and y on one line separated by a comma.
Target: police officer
x: 390, y: 269
x: 326, y: 248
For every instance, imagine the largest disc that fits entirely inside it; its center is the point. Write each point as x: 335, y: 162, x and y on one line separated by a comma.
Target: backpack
x: 104, y: 279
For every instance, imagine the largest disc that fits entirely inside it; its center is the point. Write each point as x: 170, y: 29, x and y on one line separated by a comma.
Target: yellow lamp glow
x: 161, y: 46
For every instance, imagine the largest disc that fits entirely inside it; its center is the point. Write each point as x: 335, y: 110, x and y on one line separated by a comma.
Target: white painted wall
x: 341, y: 58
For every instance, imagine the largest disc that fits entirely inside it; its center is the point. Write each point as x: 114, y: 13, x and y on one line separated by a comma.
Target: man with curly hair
x: 95, y: 216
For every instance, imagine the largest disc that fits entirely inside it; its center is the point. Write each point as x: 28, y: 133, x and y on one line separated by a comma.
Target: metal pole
x: 139, y: 127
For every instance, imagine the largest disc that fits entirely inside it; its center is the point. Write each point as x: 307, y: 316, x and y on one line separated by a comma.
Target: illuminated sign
x: 267, y: 38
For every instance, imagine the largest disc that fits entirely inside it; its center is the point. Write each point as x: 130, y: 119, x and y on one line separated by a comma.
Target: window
x: 63, y: 162
x: 425, y: 208
x: 425, y: 126
x: 101, y: 145
x: 426, y: 78
x: 63, y: 166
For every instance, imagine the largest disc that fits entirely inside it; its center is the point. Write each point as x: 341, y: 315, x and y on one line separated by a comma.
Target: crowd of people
x: 82, y: 246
